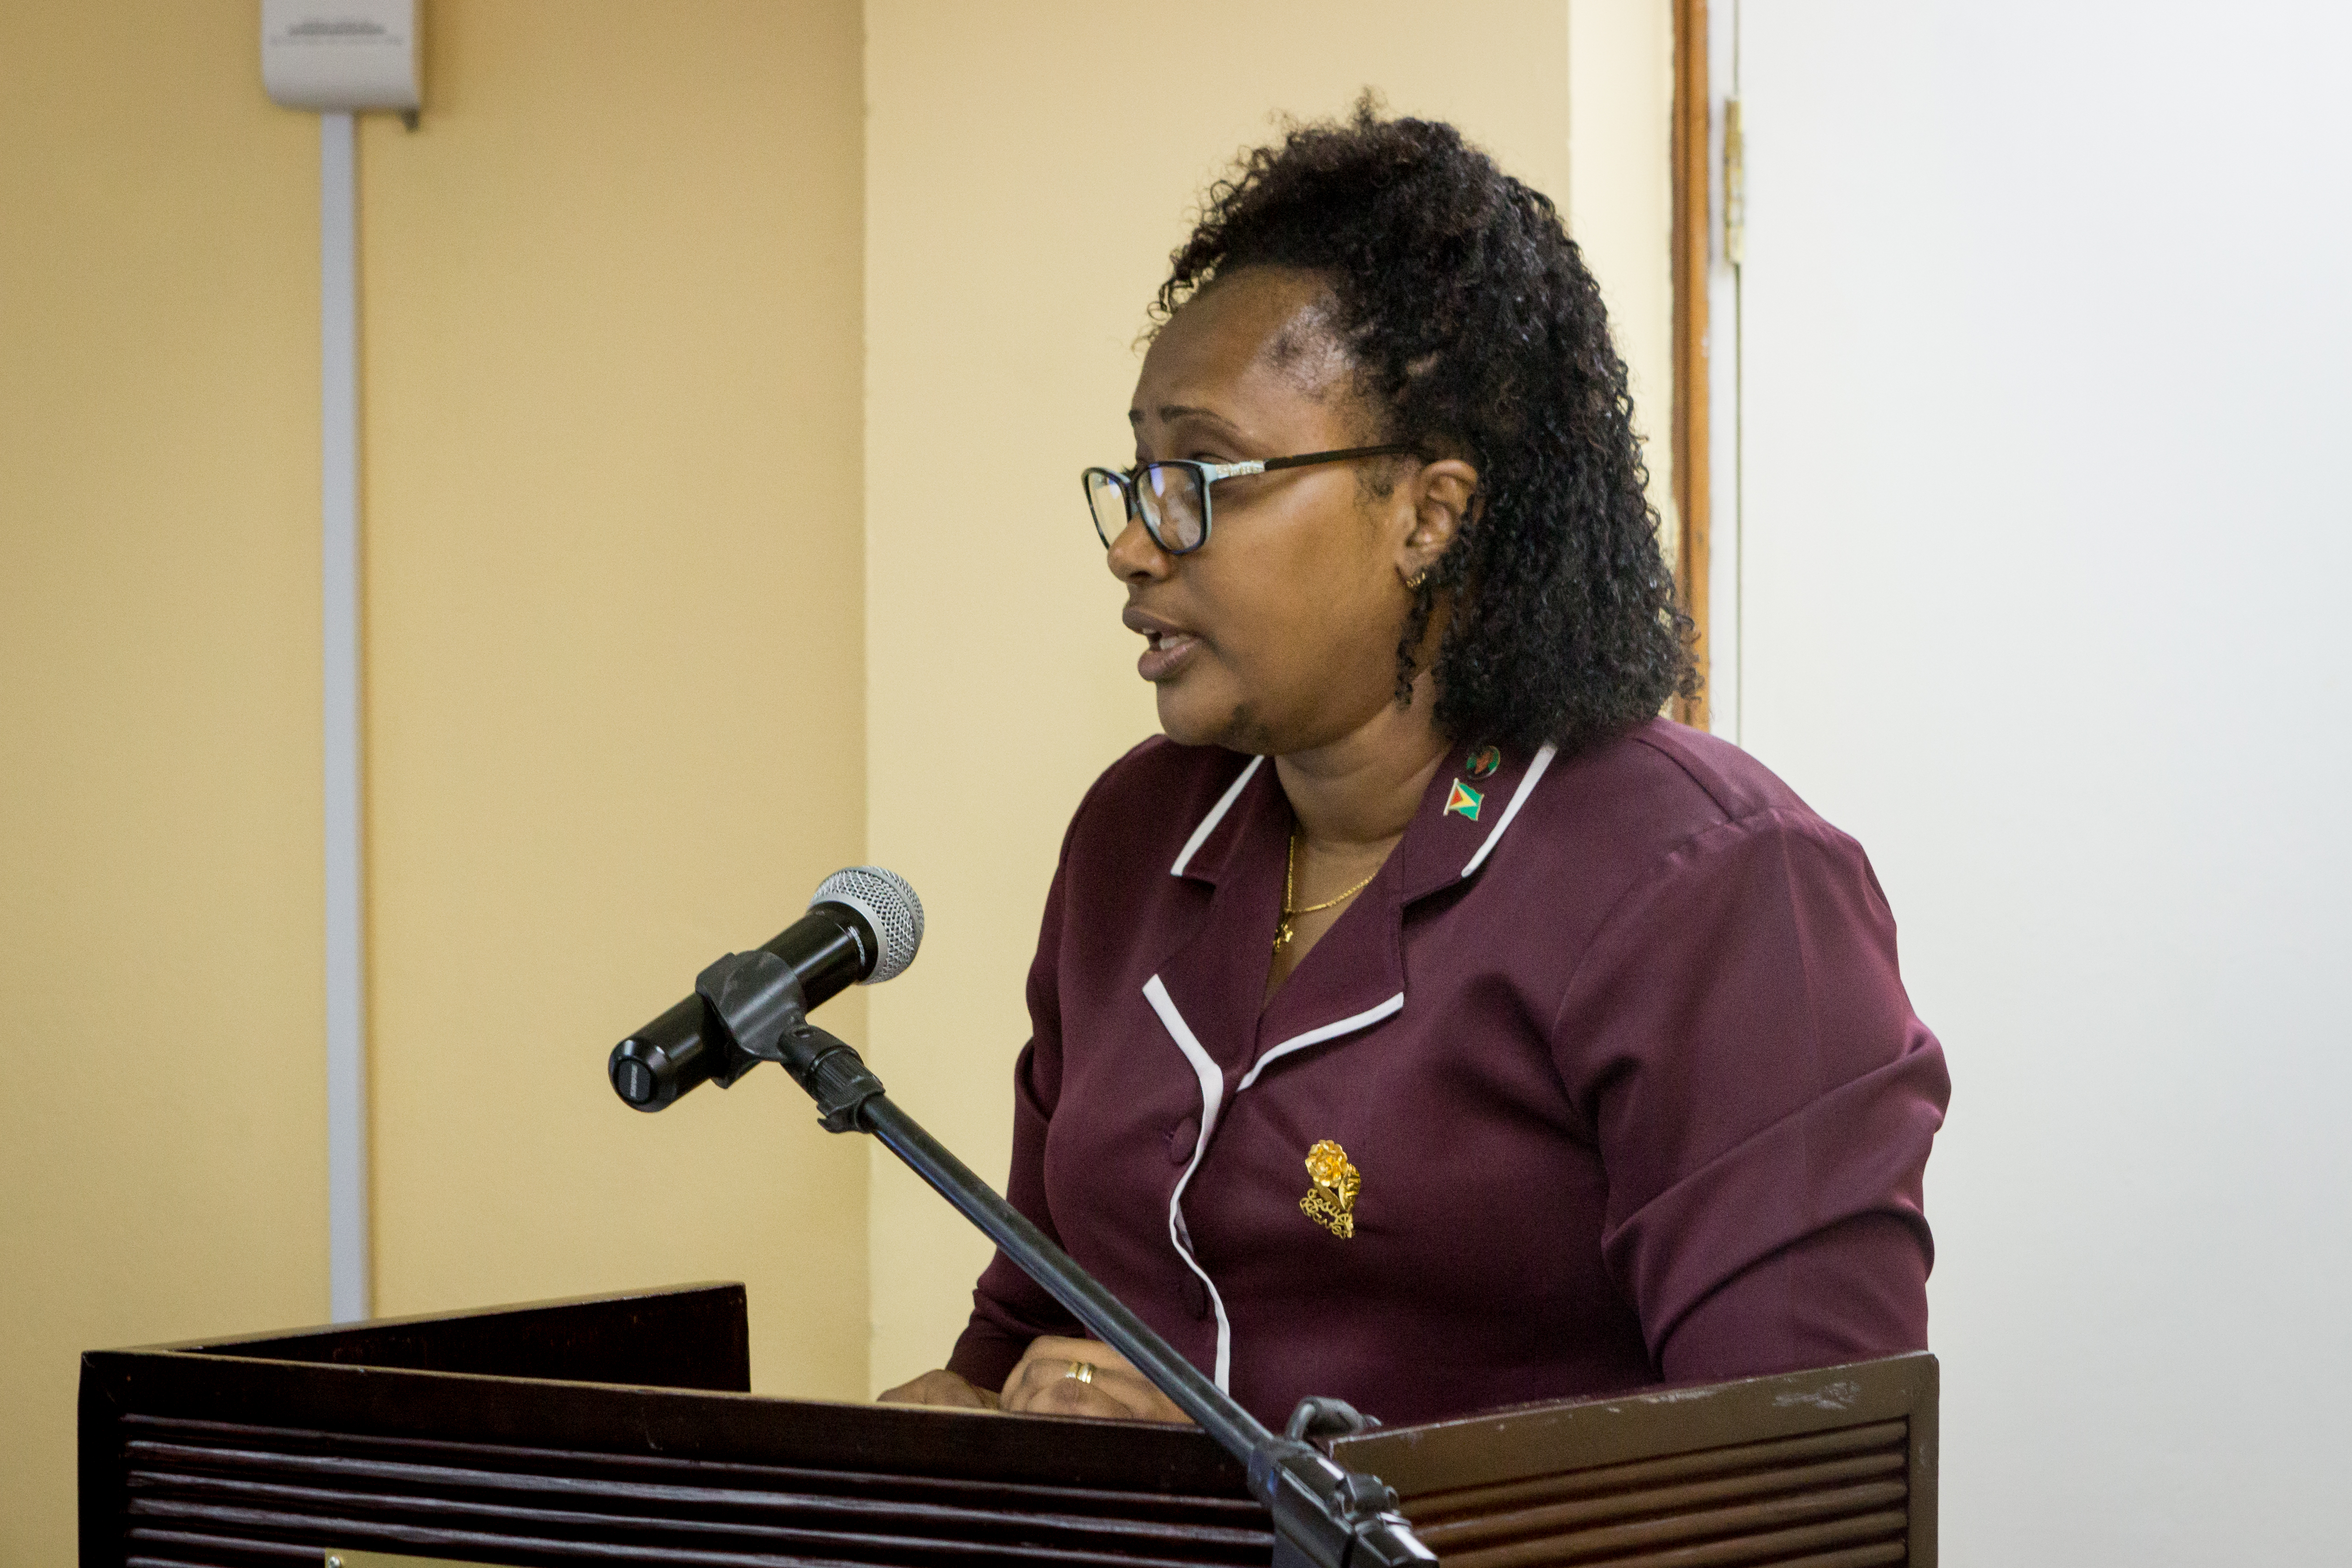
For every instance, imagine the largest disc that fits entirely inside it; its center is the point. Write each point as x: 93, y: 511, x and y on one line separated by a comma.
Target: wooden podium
x: 617, y: 1430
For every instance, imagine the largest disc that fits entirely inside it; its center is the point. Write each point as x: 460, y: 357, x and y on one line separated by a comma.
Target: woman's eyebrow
x: 1169, y: 412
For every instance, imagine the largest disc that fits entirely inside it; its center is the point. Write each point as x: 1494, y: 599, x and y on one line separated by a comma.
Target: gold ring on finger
x: 1083, y: 1370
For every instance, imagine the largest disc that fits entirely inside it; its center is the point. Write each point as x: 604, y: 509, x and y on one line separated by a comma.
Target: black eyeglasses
x: 1171, y: 498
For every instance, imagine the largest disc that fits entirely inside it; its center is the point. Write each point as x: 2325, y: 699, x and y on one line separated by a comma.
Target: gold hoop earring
x: 1413, y: 583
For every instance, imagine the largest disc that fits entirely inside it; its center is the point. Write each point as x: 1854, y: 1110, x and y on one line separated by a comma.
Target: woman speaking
x: 1423, y: 1021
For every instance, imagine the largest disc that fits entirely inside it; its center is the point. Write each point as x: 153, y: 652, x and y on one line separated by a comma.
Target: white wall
x: 2046, y: 541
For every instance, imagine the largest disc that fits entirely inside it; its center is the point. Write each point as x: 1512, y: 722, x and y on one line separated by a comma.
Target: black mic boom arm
x: 1324, y: 1515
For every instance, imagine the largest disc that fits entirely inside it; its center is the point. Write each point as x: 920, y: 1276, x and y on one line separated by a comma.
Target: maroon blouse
x: 1615, y: 1044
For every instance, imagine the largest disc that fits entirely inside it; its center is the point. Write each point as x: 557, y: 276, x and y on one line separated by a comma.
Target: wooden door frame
x: 1692, y: 236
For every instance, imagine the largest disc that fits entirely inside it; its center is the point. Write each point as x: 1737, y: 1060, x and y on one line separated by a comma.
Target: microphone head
x: 892, y: 913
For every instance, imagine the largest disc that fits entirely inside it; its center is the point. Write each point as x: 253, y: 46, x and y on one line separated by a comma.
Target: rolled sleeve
x: 1764, y: 1097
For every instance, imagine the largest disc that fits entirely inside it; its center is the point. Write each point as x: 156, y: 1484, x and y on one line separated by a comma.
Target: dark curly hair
x: 1476, y: 332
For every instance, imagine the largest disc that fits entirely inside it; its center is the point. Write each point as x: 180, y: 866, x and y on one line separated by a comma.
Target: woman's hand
x: 1047, y: 1382
x: 939, y: 1387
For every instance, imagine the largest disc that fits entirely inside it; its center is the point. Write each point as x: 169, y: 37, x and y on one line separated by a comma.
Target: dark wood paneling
x: 1582, y: 1434
x: 1613, y: 1479
x: 268, y: 1450
x: 606, y: 1418
x: 1826, y: 1468
x: 1833, y: 1476
x: 265, y: 1452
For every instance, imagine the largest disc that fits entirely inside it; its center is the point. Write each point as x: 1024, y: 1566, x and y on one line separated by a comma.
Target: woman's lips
x: 1167, y: 649
x: 1166, y: 653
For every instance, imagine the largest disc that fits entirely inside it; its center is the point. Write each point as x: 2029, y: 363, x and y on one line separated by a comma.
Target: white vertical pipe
x: 347, y: 1163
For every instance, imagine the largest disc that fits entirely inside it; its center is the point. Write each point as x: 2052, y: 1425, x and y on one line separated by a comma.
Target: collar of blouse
x: 1207, y: 991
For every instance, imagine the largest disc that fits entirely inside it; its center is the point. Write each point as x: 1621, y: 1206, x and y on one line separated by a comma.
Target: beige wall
x: 161, y: 1001
x: 1620, y: 106
x: 1024, y: 187
x: 614, y: 651
x: 614, y: 698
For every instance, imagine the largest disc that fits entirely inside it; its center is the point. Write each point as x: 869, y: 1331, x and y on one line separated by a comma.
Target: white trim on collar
x: 1518, y: 798
x: 1213, y: 1093
x: 1217, y: 815
x: 1331, y: 1031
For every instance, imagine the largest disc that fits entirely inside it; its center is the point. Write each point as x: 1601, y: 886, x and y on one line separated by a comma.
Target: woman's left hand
x: 1048, y: 1381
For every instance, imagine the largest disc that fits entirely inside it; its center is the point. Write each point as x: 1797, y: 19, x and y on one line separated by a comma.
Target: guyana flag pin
x: 1465, y: 801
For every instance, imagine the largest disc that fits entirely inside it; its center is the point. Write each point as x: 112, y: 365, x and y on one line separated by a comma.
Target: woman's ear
x: 1444, y: 501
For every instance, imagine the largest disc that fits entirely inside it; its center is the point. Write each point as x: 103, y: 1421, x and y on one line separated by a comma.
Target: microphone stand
x: 1324, y: 1515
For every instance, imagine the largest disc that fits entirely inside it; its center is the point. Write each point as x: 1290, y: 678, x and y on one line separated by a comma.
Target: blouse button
x: 1181, y: 1139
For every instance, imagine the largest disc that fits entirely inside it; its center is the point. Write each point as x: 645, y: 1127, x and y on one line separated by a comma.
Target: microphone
x: 864, y: 925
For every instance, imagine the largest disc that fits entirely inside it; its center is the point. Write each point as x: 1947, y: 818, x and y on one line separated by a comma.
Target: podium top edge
x: 1538, y: 1438
x: 227, y: 1344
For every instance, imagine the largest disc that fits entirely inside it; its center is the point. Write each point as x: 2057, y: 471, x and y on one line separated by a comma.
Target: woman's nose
x: 1136, y: 557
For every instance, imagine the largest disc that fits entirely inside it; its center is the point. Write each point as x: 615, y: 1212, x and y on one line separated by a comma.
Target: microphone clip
x: 755, y: 1007
x: 749, y: 1000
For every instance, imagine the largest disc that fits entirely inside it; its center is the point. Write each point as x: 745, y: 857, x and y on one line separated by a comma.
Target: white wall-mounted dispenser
x: 348, y: 56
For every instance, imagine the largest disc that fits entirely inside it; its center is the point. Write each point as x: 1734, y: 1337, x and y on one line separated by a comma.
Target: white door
x: 2040, y: 552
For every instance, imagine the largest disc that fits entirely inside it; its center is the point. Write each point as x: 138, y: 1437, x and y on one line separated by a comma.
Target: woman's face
x: 1280, y: 634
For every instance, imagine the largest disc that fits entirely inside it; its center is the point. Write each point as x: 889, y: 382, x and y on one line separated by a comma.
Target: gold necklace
x: 1283, y: 933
